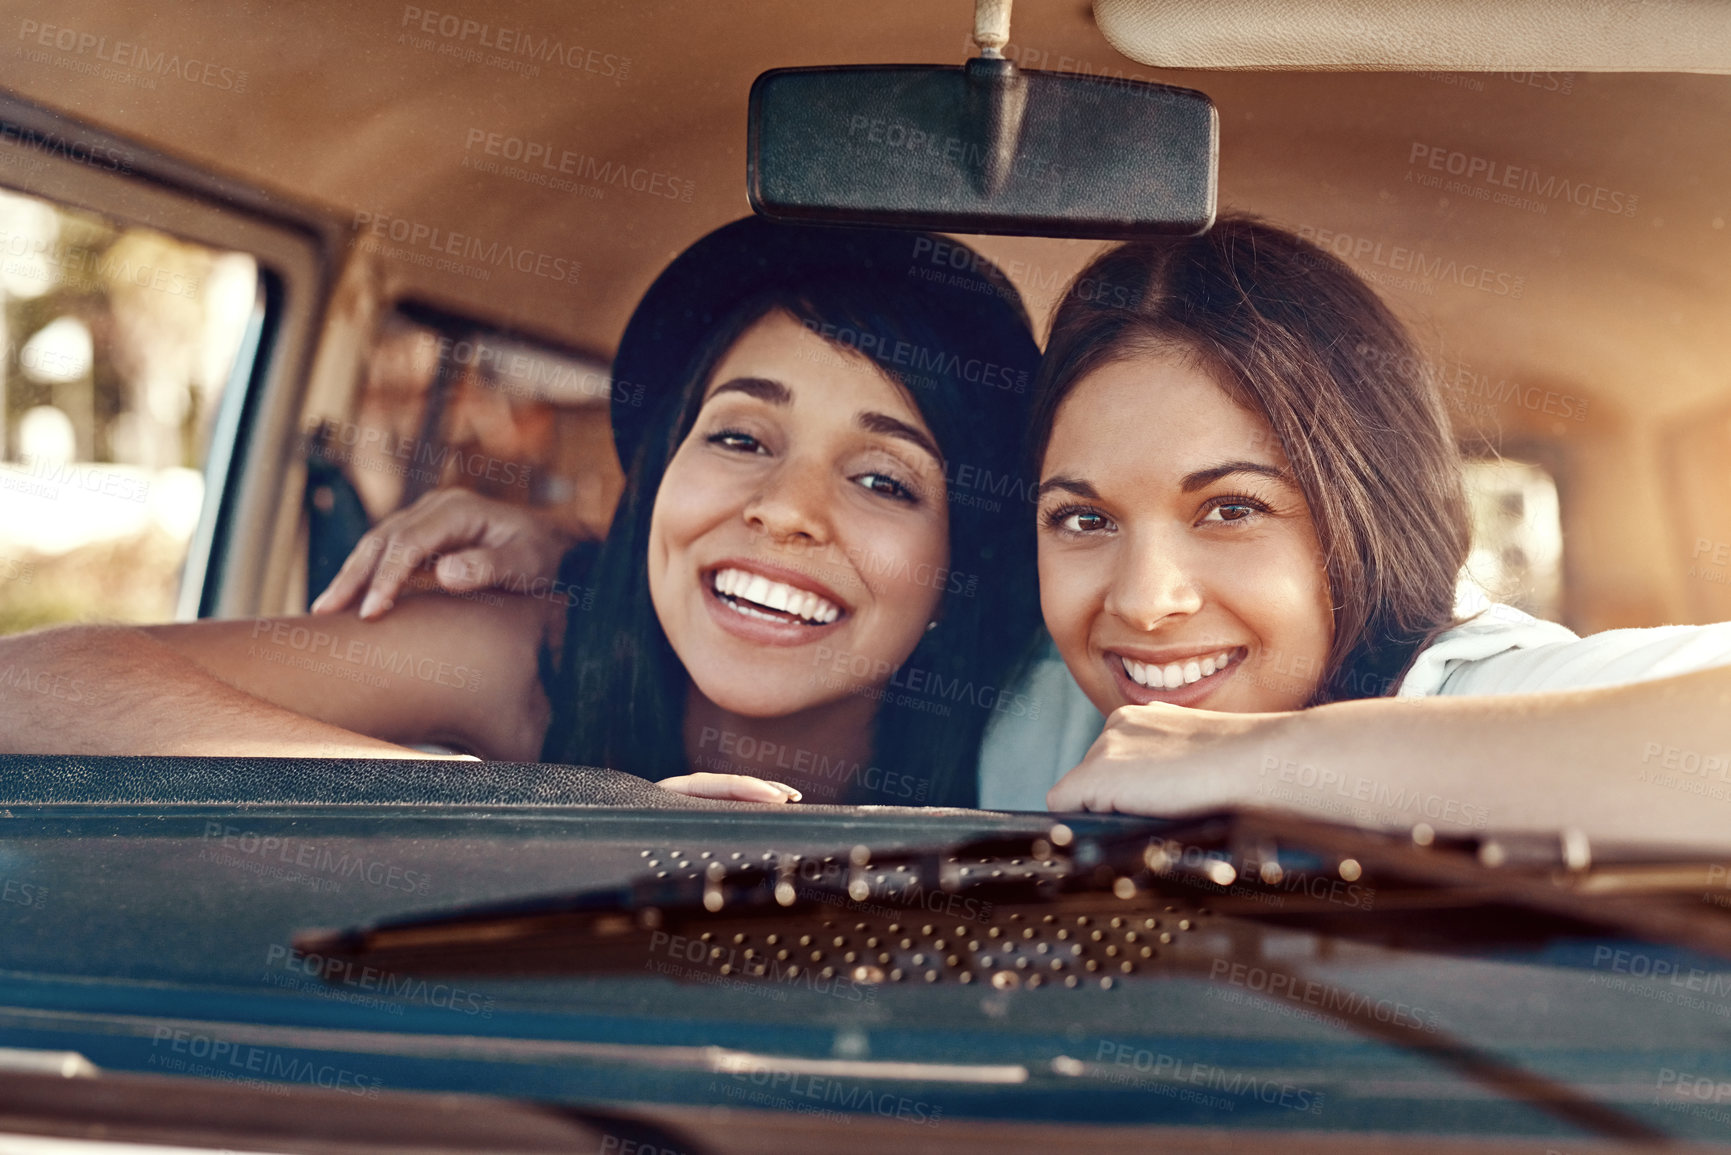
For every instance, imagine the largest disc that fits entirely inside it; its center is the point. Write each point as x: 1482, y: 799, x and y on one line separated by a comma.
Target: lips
x: 762, y: 598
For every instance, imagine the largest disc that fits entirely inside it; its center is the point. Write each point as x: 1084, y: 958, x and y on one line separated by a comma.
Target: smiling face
x: 1178, y: 559
x: 798, y: 531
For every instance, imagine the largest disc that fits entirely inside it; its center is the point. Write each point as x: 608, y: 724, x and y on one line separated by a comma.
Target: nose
x: 792, y: 504
x: 1153, y: 582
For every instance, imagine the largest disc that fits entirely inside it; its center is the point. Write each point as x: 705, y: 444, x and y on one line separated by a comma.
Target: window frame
x: 71, y: 162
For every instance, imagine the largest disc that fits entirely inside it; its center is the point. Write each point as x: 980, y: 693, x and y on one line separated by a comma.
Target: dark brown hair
x: 1292, y: 333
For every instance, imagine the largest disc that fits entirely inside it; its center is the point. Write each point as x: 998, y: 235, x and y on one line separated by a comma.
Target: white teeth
x: 745, y: 587
x: 1176, y: 673
x: 1143, y: 675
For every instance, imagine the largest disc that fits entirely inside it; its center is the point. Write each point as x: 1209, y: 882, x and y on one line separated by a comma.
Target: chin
x: 756, y: 701
x: 760, y: 708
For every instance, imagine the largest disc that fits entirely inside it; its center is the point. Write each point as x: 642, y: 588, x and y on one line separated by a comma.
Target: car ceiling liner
x: 1422, y: 35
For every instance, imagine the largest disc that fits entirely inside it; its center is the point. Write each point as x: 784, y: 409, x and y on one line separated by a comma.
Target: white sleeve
x: 1611, y: 658
x: 1492, y: 632
x: 1024, y: 755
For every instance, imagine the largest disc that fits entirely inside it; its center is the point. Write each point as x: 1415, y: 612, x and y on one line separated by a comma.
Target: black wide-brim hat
x: 702, y: 287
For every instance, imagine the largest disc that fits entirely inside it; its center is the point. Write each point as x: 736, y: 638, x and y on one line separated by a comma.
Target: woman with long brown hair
x: 1251, y: 527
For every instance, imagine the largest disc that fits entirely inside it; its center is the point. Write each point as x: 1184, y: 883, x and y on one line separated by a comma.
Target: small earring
x: 930, y: 626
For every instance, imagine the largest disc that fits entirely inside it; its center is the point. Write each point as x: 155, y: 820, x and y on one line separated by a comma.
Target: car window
x: 119, y: 343
x: 1517, y: 542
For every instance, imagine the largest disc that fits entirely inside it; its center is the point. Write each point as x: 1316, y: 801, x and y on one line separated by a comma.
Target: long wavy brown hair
x: 1292, y: 333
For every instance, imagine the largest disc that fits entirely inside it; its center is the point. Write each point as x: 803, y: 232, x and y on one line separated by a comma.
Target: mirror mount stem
x: 992, y: 27
x: 997, y: 97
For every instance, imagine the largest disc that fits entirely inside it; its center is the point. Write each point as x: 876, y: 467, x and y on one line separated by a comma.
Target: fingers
x: 474, y: 542
x: 731, y: 787
x: 439, y: 522
x: 516, y: 549
x: 469, y: 570
x: 1144, y: 773
x: 1069, y: 795
x: 390, y: 553
x: 1124, y: 762
x: 352, y: 578
x: 519, y: 560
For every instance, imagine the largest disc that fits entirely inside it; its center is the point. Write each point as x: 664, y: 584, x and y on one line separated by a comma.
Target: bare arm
x: 1649, y: 762
x: 117, y: 690
x: 494, y: 544
x: 458, y: 673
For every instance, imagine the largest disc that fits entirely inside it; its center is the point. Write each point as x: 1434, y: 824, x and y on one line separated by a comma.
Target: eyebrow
x: 1198, y: 479
x: 775, y: 393
x: 1067, y: 484
x: 884, y: 424
x: 762, y: 388
x: 1203, y: 478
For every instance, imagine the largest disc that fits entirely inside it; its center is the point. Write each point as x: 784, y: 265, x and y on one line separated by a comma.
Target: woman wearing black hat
x: 795, y: 586
x: 807, y: 577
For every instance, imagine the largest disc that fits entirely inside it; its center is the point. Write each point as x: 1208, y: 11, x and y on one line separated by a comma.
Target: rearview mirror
x: 987, y: 148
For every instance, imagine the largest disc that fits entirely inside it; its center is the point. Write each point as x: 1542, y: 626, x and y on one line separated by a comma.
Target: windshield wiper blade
x: 1498, y: 888
x: 1420, y: 891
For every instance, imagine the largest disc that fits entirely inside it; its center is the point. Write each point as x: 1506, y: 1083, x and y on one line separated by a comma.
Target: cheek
x: 1054, y: 601
x: 657, y: 567
x: 1284, y: 598
x: 906, y: 569
x: 1070, y: 595
x: 691, y: 498
x: 685, y: 504
x: 1073, y: 589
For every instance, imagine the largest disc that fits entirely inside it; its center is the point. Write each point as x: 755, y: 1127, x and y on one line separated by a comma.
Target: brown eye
x: 1233, y: 509
x: 735, y: 440
x: 885, y: 484
x: 1077, y: 519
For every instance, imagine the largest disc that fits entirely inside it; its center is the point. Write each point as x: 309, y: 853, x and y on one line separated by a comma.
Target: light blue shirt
x: 1023, y: 756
